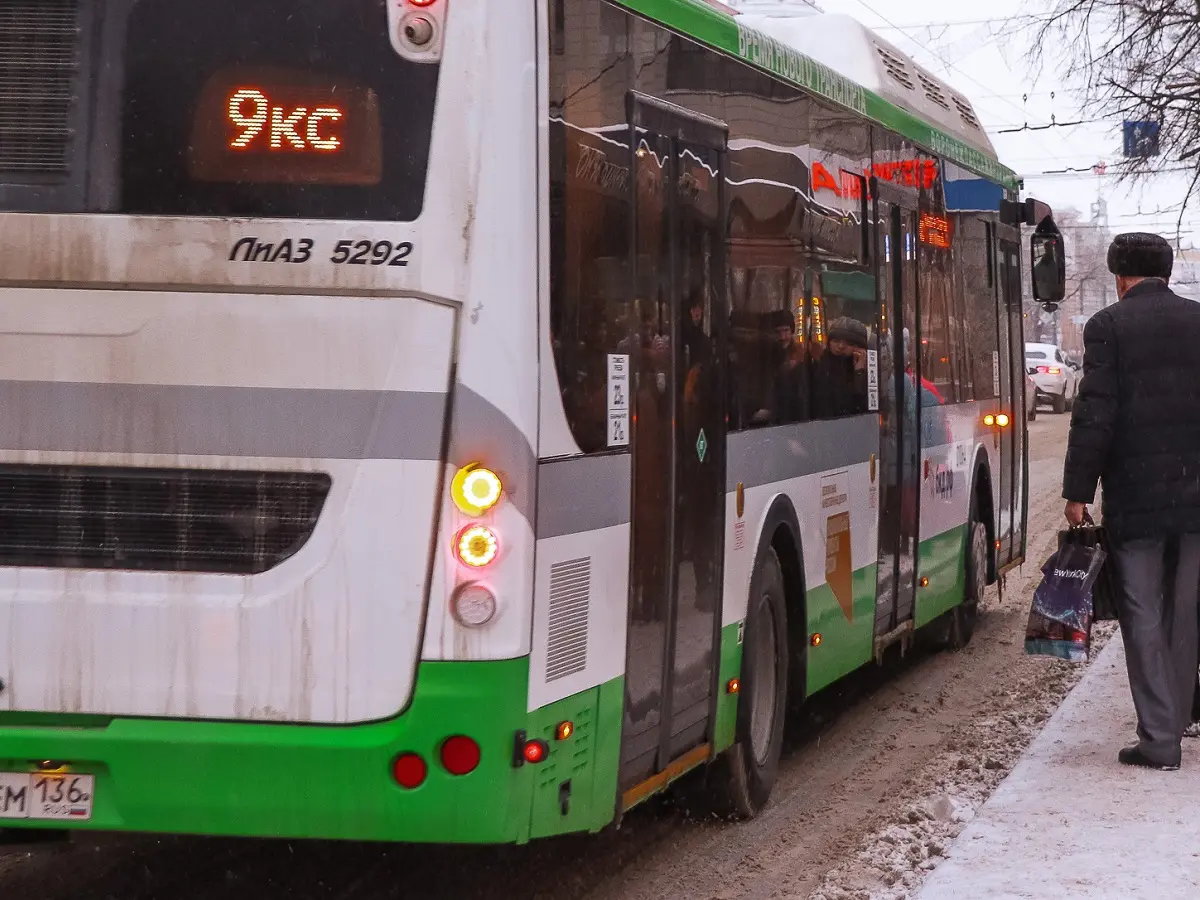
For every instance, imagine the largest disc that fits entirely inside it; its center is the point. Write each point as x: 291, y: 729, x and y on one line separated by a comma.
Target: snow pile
x: 938, y: 803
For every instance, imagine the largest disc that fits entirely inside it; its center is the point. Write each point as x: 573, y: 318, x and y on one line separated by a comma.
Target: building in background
x: 1185, y: 279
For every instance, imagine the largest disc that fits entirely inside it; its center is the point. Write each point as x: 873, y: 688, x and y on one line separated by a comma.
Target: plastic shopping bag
x: 1062, y: 613
x: 1105, y: 590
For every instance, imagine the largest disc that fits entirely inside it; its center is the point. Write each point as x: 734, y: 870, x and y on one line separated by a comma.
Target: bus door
x: 1012, y: 392
x: 900, y: 414
x: 678, y: 438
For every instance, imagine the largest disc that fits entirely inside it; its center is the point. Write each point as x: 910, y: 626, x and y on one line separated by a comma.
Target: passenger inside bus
x: 840, y: 374
x: 787, y: 369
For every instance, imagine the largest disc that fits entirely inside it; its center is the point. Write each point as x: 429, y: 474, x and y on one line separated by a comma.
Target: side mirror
x: 1049, y: 269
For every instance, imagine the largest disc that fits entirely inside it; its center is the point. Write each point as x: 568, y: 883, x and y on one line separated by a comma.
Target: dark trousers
x: 1160, y: 582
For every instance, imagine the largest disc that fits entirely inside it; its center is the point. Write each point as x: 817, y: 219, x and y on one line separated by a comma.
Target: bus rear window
x: 246, y: 108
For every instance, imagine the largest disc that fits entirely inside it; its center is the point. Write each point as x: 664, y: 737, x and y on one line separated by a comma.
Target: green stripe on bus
x: 722, y: 32
x: 941, y: 560
x: 307, y: 781
x: 847, y: 645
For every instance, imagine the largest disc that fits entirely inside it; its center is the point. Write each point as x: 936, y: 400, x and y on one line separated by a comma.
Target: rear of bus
x: 268, y: 274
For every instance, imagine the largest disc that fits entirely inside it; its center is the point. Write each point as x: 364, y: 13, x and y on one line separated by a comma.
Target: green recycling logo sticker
x: 701, y: 445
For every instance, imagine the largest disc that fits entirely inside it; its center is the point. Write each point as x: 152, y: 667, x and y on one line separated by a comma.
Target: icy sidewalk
x: 1069, y: 822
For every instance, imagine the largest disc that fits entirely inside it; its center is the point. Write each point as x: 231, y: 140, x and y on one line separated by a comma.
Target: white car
x: 1056, y: 377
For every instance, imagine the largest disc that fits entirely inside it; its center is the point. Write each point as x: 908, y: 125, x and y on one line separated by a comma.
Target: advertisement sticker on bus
x: 839, y: 569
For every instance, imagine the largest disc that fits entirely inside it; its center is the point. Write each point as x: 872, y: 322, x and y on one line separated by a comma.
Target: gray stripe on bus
x: 481, y: 433
x: 268, y: 423
x: 587, y: 493
x: 191, y: 420
x: 770, y: 455
x: 583, y: 493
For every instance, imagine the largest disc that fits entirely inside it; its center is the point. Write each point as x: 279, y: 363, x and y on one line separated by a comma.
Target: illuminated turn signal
x: 564, y: 731
x: 989, y: 420
x: 475, y: 489
x: 477, y: 546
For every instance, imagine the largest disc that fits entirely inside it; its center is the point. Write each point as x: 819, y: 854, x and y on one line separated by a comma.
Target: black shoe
x: 1133, y: 756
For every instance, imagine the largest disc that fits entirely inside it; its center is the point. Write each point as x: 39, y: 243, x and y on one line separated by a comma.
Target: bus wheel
x: 953, y: 630
x: 745, y: 773
x: 966, y: 614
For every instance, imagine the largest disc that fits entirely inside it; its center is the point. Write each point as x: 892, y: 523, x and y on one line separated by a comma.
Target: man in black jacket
x: 1136, y: 429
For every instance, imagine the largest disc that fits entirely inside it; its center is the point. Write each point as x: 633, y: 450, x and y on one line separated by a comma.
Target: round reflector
x: 473, y: 605
x: 409, y: 770
x: 460, y: 755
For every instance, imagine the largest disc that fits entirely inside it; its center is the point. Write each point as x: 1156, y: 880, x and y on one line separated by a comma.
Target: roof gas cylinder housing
x: 851, y: 49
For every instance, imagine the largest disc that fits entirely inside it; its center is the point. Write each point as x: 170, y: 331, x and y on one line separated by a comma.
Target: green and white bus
x: 456, y: 420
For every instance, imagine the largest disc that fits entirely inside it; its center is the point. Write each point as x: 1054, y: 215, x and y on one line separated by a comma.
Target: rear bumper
x: 1050, y: 388
x: 295, y: 781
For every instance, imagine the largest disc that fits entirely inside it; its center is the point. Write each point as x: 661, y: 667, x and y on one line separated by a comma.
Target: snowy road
x: 879, y: 776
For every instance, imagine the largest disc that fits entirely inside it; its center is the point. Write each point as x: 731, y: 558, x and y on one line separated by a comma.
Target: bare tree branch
x: 1139, y: 60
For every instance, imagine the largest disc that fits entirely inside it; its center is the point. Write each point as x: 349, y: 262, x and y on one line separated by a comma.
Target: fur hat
x: 779, y: 318
x: 1140, y: 255
x: 849, y: 330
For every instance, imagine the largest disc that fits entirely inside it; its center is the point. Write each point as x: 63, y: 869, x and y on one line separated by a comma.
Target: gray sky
x: 979, y: 48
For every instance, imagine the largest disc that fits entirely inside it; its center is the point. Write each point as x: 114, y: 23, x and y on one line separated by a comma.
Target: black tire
x: 1033, y: 410
x: 741, y: 779
x: 965, y: 616
x: 953, y: 630
x: 1059, y: 403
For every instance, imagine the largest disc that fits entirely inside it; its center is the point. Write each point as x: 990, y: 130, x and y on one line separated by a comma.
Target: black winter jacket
x: 1136, y: 424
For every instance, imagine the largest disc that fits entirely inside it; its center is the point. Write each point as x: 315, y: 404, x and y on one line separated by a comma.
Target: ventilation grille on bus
x: 968, y: 114
x: 166, y: 520
x: 933, y: 90
x: 896, y: 66
x: 570, y: 587
x: 39, y: 56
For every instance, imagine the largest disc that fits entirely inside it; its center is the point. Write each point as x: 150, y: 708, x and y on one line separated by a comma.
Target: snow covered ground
x: 894, y: 860
x: 1072, y: 824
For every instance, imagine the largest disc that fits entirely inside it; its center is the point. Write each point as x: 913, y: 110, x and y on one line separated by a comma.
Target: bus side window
x: 935, y: 242
x: 590, y: 311
x: 769, y: 372
x: 843, y: 327
x: 974, y: 260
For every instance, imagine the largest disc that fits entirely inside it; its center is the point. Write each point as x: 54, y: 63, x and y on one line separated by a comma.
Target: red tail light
x: 409, y: 770
x: 460, y: 755
x: 536, y: 751
x: 1049, y: 370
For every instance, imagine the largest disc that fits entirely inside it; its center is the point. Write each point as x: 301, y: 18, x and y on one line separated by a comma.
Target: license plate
x: 41, y: 795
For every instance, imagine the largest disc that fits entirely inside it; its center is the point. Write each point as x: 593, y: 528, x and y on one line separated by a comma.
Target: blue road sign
x: 1141, y: 139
